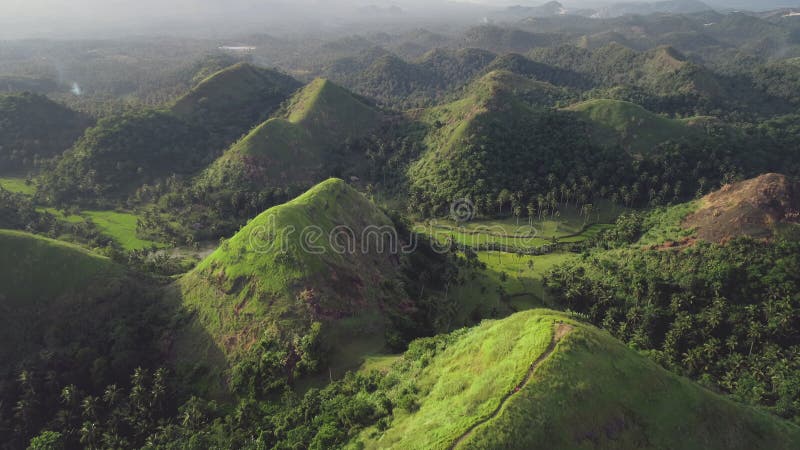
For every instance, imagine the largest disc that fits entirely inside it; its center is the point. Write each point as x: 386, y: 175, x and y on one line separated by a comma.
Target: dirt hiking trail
x: 561, y: 330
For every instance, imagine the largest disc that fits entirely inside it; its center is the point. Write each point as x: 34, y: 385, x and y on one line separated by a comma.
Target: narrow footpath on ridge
x: 561, y: 330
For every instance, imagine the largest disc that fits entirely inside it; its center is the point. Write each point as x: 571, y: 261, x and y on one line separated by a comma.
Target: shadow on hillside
x: 190, y: 349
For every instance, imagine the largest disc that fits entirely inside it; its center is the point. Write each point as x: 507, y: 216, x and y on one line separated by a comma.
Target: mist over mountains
x: 208, y: 18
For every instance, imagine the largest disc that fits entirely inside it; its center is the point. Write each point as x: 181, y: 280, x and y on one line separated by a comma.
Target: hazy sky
x: 46, y: 18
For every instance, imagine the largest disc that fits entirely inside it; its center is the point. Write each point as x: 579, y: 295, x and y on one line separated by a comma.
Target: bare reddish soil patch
x: 752, y: 208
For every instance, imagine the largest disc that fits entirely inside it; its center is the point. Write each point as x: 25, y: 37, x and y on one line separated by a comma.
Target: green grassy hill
x: 34, y: 127
x: 38, y: 269
x: 617, y: 122
x: 282, y: 277
x: 293, y: 148
x: 46, y: 288
x: 235, y: 98
x: 500, y: 135
x: 123, y: 152
x: 539, y: 377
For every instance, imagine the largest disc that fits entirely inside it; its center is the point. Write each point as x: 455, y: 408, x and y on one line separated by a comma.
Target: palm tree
x: 90, y: 434
x: 614, y: 201
x: 531, y: 212
x: 540, y: 200
x: 89, y: 406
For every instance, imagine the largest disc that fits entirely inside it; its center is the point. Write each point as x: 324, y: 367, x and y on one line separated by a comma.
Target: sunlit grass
x: 119, y: 226
x: 468, y: 381
x: 17, y: 185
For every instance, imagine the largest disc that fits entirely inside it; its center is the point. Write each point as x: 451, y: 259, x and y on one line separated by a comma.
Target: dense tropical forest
x: 537, y: 224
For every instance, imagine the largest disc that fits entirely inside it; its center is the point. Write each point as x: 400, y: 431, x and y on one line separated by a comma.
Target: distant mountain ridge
x: 643, y: 8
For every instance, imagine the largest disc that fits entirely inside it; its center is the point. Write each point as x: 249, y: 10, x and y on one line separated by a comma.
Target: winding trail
x: 561, y: 330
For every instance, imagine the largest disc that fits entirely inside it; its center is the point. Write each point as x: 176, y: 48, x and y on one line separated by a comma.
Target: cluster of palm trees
x: 117, y: 418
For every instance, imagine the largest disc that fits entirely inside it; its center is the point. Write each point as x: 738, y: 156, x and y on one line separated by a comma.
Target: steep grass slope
x: 538, y: 378
x: 293, y: 149
x: 617, y: 122
x: 310, y: 261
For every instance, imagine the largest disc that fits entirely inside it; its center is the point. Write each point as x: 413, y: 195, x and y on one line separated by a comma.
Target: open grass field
x: 507, y: 285
x: 17, y: 185
x: 119, y: 226
x: 567, y: 227
x: 523, y: 275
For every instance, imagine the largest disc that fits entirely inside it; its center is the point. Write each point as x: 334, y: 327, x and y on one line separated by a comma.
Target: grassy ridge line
x: 591, y: 392
x: 559, y: 332
x: 636, y: 128
x: 466, y: 381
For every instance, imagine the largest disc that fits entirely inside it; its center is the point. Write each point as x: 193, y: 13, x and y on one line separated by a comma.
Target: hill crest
x: 320, y: 264
x: 541, y: 376
x: 618, y: 122
x: 241, y: 85
x: 293, y: 147
x: 752, y: 207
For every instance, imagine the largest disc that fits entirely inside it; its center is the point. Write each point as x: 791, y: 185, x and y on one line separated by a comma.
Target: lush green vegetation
x: 722, y: 314
x: 481, y: 366
x: 167, y: 278
x: 229, y: 102
x: 295, y: 148
x: 478, y: 370
x: 136, y: 150
x: 124, y: 152
x: 72, y: 322
x: 287, y: 294
x: 17, y: 185
x: 633, y: 127
x: 34, y: 129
